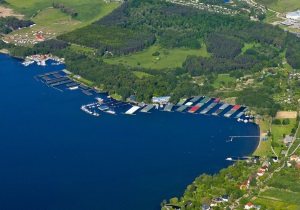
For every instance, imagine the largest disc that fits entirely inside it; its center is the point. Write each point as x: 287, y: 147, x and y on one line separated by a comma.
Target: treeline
x: 3, y: 2
x: 50, y: 46
x: 65, y: 9
x: 293, y: 51
x: 259, y: 97
x: 110, y: 38
x: 8, y: 24
x: 116, y: 78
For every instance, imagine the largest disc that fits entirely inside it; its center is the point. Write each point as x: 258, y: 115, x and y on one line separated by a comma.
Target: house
x: 218, y: 200
x: 260, y: 173
x: 213, y: 204
x: 294, y: 157
x: 243, y: 185
x: 266, y: 163
x: 249, y: 206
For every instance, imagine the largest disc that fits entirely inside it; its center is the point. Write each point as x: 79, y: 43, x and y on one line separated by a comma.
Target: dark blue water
x: 55, y: 156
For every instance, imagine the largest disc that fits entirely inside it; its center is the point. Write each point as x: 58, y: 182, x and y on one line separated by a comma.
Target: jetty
x: 132, y: 110
x: 221, y: 109
x: 232, y: 111
x: 147, y: 108
x: 86, y: 92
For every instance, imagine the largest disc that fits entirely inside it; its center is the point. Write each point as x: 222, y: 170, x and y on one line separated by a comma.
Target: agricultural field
x: 52, y: 22
x: 167, y: 58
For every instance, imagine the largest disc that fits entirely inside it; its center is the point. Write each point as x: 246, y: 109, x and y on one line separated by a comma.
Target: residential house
x: 249, y: 206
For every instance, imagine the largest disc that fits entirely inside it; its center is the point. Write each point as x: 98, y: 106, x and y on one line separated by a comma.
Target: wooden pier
x: 232, y: 137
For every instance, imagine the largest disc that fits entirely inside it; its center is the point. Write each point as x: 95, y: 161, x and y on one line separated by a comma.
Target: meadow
x: 167, y: 58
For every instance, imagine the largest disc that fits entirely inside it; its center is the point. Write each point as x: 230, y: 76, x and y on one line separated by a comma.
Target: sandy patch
x: 5, y: 12
x: 285, y: 114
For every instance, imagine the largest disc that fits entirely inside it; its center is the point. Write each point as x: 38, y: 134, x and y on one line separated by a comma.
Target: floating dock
x: 195, y: 108
x: 147, y: 108
x: 49, y: 82
x: 61, y: 83
x: 221, y: 109
x: 207, y: 109
x: 181, y: 101
x: 196, y: 98
x: 182, y: 108
x: 205, y: 100
x: 72, y: 84
x: 232, y: 111
x: 87, y: 92
x: 168, y: 108
x: 239, y: 114
x: 217, y: 100
x: 132, y: 110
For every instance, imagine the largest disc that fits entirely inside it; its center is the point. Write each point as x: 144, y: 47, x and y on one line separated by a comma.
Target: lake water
x: 55, y: 156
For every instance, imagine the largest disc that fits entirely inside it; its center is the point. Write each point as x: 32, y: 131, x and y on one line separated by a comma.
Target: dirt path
x: 5, y: 12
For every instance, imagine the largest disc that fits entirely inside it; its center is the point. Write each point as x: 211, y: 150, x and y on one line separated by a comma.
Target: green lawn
x: 140, y: 74
x: 168, y: 58
x: 283, y: 6
x: 248, y: 46
x: 223, y: 78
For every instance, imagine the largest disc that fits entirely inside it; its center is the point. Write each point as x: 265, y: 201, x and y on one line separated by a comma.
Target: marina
x: 196, y: 108
x: 239, y: 114
x: 132, y: 110
x: 221, y: 109
x: 147, y: 108
x: 232, y: 111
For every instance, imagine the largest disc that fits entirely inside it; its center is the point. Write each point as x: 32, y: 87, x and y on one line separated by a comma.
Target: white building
x: 293, y: 15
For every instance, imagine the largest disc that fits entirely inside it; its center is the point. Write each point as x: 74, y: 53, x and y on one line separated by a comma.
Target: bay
x: 55, y: 156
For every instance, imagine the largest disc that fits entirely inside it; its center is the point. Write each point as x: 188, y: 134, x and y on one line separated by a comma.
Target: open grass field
x: 281, y: 6
x: 264, y: 148
x: 222, y: 78
x: 87, y: 9
x: 168, y: 58
x: 52, y: 22
x: 140, y: 74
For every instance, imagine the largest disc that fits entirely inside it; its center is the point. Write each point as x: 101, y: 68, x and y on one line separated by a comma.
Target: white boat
x: 239, y: 119
x: 100, y: 100
x: 245, y: 121
x: 95, y: 114
x: 110, y: 112
x: 229, y: 158
x: 73, y: 88
x: 43, y: 63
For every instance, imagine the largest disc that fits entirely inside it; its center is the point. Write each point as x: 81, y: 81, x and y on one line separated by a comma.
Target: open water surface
x: 55, y: 156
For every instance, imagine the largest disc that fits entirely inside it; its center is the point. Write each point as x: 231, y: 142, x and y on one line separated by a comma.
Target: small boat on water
x: 110, y: 111
x: 229, y: 158
x: 95, y: 114
x: 27, y: 62
x: 100, y: 100
x: 245, y: 121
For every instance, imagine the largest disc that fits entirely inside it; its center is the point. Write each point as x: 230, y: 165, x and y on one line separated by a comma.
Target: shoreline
x: 4, y: 51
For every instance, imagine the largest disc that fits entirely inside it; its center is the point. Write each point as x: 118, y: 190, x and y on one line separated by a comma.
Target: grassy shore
x: 264, y: 147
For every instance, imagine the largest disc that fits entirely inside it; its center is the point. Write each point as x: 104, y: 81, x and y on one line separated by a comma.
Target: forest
x: 8, y: 24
